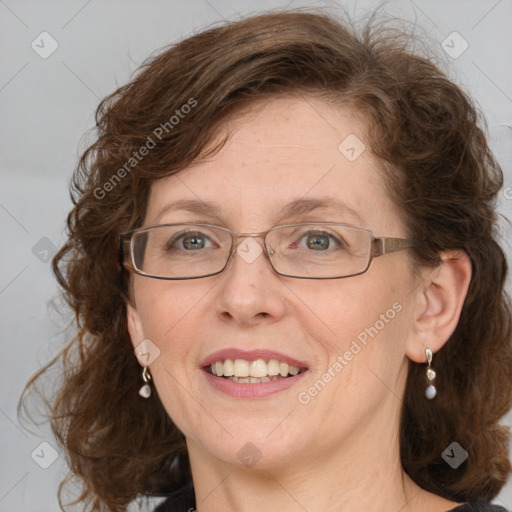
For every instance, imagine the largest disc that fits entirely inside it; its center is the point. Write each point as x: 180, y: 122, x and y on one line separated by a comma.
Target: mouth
x: 252, y: 374
x: 256, y: 371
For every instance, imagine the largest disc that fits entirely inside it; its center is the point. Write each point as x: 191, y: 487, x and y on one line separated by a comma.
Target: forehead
x: 281, y: 152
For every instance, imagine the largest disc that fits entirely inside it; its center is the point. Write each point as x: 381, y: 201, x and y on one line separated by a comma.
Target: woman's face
x: 290, y: 160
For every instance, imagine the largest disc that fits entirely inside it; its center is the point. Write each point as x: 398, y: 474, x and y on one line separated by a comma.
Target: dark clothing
x: 184, y: 501
x: 181, y: 501
x: 478, y: 506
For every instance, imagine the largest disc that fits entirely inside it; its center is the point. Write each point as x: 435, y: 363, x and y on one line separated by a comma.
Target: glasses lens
x: 181, y: 250
x: 320, y: 250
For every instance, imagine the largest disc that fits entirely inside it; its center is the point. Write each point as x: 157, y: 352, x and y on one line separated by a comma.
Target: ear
x: 439, y: 301
x: 134, y: 324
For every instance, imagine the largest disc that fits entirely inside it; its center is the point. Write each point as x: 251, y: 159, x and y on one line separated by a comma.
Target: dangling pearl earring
x: 431, y: 390
x: 145, y: 390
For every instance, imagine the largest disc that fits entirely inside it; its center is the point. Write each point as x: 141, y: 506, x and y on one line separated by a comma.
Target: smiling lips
x: 257, y: 371
x: 252, y: 367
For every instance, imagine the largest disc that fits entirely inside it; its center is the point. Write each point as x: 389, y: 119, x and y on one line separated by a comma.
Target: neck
x: 362, y: 473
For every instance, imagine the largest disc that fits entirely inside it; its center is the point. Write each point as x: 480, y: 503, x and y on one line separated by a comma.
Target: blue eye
x: 319, y: 241
x: 191, y: 241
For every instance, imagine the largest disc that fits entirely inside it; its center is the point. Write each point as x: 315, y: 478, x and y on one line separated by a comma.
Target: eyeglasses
x: 311, y: 250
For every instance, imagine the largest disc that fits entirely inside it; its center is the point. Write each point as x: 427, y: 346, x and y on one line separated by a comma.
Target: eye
x: 190, y: 241
x: 319, y: 241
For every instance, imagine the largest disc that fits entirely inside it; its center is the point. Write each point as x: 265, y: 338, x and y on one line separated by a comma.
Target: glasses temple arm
x: 385, y: 245
x: 124, y: 253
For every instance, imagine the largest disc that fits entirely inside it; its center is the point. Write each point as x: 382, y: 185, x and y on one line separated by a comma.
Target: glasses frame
x: 379, y: 246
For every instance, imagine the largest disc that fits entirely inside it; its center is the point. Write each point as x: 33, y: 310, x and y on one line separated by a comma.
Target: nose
x: 250, y: 291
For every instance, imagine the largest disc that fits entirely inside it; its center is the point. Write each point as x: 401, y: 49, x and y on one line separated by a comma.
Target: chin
x: 253, y: 444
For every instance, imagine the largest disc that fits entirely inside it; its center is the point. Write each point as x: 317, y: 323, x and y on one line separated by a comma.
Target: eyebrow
x: 294, y: 208
x: 303, y: 206
x: 191, y: 205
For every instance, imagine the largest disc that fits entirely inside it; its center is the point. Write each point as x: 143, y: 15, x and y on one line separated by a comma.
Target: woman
x: 283, y: 263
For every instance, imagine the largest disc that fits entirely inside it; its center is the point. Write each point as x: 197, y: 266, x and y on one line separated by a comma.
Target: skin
x: 340, y: 451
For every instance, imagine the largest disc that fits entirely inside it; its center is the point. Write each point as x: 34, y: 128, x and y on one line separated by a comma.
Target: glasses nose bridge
x: 236, y: 234
x: 237, y: 238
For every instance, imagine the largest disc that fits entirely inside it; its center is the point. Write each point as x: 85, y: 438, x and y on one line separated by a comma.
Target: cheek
x: 356, y: 325
x: 172, y: 318
x: 164, y: 305
x: 344, y: 308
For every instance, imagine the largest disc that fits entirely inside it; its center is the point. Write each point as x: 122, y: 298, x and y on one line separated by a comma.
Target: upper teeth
x: 257, y: 368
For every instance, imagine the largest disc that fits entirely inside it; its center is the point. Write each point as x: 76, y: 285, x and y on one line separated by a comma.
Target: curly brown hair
x: 439, y: 170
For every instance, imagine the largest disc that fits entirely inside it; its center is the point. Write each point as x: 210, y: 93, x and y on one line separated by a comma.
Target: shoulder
x: 480, y: 505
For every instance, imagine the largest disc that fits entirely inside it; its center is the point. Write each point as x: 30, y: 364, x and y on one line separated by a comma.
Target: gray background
x: 46, y: 108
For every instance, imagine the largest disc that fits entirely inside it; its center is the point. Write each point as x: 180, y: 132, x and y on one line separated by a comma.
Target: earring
x: 431, y: 390
x: 145, y: 390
